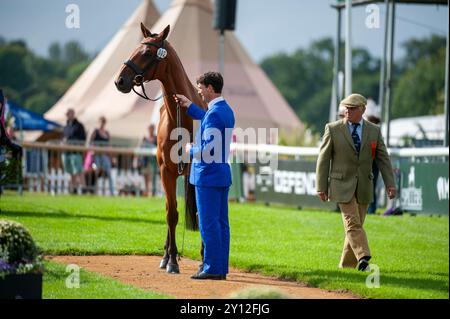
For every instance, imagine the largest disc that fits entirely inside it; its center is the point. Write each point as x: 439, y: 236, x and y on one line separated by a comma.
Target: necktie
x: 355, y: 137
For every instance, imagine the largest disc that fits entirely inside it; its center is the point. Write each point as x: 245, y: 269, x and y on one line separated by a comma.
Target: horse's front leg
x: 169, y: 181
x: 165, y: 259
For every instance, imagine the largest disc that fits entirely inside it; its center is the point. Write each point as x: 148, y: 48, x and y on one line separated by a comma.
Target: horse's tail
x: 190, y: 211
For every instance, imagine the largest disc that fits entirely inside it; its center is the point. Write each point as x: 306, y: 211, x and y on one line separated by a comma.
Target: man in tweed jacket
x: 344, y: 175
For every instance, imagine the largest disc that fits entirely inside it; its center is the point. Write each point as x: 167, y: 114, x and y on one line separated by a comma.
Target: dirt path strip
x: 143, y: 272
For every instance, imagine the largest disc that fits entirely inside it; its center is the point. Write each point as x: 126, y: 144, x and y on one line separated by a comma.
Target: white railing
x: 314, y: 151
x: 263, y: 148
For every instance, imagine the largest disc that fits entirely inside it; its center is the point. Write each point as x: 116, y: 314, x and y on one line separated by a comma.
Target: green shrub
x: 18, y: 251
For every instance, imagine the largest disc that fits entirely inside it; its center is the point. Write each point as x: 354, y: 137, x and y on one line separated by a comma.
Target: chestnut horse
x: 155, y: 59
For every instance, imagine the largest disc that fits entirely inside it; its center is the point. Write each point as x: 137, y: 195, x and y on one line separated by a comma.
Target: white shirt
x: 216, y: 100
x: 358, y: 130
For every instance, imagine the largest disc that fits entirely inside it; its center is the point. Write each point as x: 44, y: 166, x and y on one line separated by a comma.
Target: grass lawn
x: 412, y: 253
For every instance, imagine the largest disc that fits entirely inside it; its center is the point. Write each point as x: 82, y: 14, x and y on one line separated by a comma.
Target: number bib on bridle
x: 138, y: 80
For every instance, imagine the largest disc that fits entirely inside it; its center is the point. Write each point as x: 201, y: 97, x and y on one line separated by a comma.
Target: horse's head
x: 145, y: 62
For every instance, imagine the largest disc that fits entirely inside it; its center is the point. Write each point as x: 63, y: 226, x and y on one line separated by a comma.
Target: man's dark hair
x: 214, y: 79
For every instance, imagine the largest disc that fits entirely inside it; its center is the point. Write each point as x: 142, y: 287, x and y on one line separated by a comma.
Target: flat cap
x: 354, y: 100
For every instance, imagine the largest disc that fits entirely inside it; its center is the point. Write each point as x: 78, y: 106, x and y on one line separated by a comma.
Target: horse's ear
x: 145, y: 32
x: 163, y: 35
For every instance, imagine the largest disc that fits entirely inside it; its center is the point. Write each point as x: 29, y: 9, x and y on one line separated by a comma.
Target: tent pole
x: 446, y: 117
x: 382, y: 87
x: 222, y: 52
x: 390, y: 62
x: 348, y: 48
x: 335, y: 89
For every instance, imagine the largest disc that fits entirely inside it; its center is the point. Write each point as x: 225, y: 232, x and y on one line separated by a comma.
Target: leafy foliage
x: 18, y: 252
x: 420, y: 89
x: 305, y: 77
x: 38, y: 82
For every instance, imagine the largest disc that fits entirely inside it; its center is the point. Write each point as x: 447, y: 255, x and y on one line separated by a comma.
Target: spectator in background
x: 11, y: 133
x: 373, y: 115
x: 5, y: 139
x: 74, y: 133
x: 147, y: 163
x: 100, y: 137
x: 373, y: 112
x: 6, y: 143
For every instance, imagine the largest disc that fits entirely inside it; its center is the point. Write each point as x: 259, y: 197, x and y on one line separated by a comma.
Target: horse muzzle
x: 122, y: 85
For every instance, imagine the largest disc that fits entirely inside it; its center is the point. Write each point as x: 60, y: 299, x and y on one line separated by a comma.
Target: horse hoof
x: 163, y: 263
x: 173, y: 269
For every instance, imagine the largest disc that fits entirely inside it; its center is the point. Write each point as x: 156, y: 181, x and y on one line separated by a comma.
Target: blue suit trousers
x: 212, y: 206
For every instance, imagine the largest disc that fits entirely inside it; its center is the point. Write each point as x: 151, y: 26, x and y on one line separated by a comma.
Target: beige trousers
x: 356, y: 245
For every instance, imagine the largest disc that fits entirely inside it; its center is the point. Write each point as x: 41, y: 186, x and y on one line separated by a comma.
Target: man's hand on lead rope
x: 182, y: 100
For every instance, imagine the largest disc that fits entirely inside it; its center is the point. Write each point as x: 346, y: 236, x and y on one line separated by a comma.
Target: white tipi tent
x: 93, y: 94
x: 255, y: 100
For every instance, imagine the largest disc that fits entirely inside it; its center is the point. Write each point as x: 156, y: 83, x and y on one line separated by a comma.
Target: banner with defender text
x: 292, y: 183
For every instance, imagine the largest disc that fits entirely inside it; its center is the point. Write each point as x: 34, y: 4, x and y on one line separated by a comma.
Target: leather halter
x: 139, y: 79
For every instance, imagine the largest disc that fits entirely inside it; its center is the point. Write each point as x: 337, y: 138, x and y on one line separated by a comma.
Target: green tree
x: 74, y: 71
x: 38, y: 82
x: 55, y: 51
x: 418, y: 49
x: 305, y: 79
x: 15, y: 72
x: 74, y: 53
x: 420, y: 88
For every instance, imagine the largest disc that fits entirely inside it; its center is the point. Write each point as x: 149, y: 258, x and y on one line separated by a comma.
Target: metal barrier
x: 422, y: 173
x: 422, y: 178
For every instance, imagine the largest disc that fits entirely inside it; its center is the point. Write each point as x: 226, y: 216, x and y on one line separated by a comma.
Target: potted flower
x: 21, y: 265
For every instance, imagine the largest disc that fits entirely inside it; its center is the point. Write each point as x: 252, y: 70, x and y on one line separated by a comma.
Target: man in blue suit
x: 210, y: 173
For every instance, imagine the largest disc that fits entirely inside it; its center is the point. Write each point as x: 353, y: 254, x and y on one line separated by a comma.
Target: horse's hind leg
x: 169, y: 181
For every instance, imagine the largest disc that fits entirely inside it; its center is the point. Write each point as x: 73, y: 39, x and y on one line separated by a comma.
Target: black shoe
x: 200, y: 268
x: 363, y: 264
x: 204, y: 275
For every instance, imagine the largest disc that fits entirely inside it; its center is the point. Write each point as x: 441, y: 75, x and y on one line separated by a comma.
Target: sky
x: 264, y: 27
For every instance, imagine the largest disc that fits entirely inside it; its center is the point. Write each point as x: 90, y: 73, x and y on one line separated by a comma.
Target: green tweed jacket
x: 341, y: 173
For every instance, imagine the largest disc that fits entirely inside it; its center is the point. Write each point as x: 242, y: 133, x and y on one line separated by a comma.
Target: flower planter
x: 25, y: 286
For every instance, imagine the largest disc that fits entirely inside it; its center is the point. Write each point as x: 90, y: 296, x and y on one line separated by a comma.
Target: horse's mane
x: 182, y: 83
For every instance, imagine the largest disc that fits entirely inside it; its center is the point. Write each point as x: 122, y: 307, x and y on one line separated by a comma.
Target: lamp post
x: 224, y: 19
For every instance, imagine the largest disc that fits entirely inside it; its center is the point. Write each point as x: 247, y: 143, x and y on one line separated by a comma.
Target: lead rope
x: 184, y: 232
x: 145, y: 94
x: 180, y: 151
x: 180, y: 171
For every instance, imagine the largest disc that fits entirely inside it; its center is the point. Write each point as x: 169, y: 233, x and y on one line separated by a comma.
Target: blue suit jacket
x: 210, y: 153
